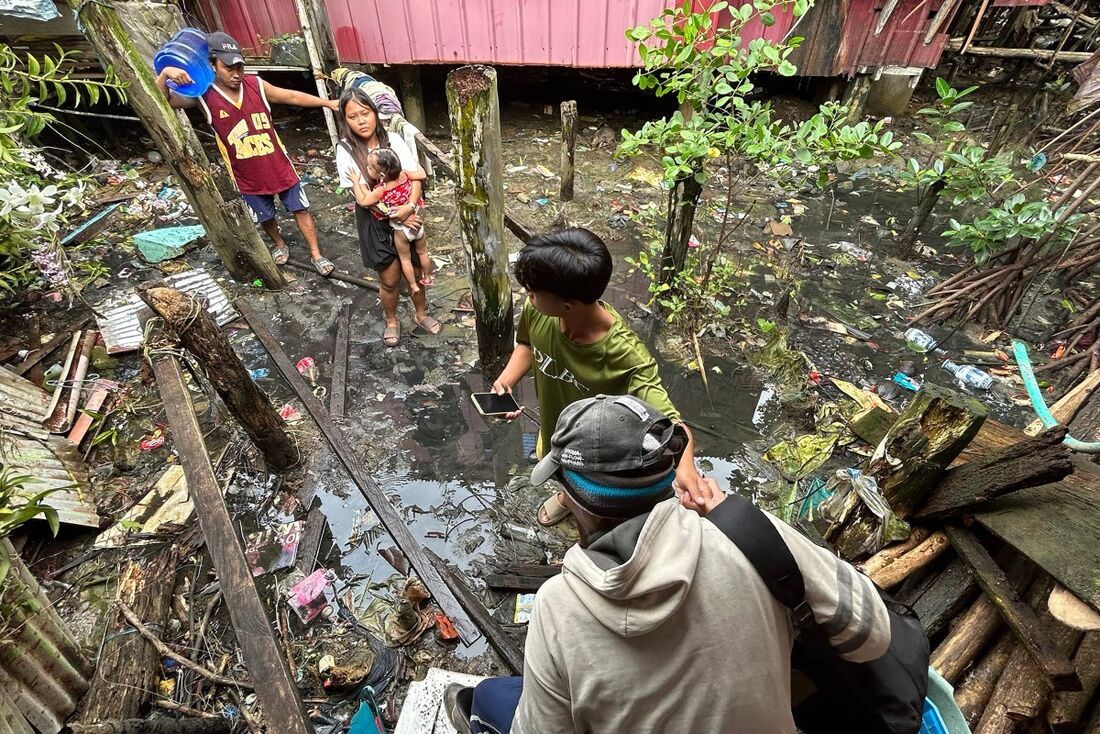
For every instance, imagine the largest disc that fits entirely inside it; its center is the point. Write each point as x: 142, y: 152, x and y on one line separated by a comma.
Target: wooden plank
x: 1067, y: 406
x: 1056, y: 525
x: 514, y: 582
x: 100, y: 389
x: 952, y: 590
x: 1060, y: 673
x: 372, y: 492
x: 263, y: 656
x: 510, y: 652
x: 340, y: 364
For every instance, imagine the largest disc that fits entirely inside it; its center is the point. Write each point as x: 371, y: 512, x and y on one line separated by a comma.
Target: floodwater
x: 458, y: 478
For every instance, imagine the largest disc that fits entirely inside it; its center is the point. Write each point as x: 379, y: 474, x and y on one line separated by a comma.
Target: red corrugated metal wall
x: 583, y: 33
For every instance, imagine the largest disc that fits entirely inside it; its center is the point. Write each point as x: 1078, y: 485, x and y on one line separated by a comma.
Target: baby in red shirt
x: 395, y: 190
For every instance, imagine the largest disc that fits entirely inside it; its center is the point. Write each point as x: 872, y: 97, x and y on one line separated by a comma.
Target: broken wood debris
x: 1034, y: 635
x: 376, y: 498
x: 340, y: 363
x: 263, y: 657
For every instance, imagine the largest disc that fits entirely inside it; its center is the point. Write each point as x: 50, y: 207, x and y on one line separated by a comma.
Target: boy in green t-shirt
x: 577, y: 345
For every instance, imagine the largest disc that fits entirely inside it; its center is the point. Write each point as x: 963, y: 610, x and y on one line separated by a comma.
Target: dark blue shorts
x: 262, y: 206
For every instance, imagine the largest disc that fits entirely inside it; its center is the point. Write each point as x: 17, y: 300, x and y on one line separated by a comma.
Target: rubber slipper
x: 430, y: 325
x: 391, y: 336
x: 458, y: 702
x: 427, y: 281
x: 552, y: 512
x: 324, y: 266
x: 280, y: 255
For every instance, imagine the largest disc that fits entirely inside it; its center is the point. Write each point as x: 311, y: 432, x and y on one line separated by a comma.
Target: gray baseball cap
x: 608, y: 434
x: 225, y: 47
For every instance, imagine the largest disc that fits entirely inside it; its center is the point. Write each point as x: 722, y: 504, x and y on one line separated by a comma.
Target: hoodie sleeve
x: 844, y: 601
x: 544, y: 707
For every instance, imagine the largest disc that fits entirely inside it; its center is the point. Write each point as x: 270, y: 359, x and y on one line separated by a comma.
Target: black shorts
x: 375, y: 240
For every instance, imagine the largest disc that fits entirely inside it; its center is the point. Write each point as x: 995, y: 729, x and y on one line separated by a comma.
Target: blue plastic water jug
x: 189, y: 51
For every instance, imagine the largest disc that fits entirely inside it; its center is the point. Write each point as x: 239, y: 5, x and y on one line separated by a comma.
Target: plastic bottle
x: 919, y: 341
x: 188, y: 51
x: 969, y: 375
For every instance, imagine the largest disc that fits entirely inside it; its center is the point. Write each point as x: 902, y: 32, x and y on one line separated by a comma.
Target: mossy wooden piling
x: 568, y: 146
x: 479, y: 190
x: 228, y: 226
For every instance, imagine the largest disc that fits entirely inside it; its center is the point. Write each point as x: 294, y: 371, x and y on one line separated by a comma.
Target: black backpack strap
x: 753, y: 533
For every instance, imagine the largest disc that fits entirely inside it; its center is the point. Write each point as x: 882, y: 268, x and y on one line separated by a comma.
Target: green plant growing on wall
x: 35, y: 198
x: 708, y: 68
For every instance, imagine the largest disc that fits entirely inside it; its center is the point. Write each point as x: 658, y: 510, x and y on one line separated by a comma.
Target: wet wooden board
x: 372, y: 492
x: 1055, y: 525
x: 340, y: 363
x: 263, y: 656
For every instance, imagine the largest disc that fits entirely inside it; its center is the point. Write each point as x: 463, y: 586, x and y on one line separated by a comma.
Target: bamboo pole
x: 306, y: 21
x: 479, y: 190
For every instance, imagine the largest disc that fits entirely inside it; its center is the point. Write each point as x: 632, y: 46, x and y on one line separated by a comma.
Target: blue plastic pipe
x: 1019, y: 351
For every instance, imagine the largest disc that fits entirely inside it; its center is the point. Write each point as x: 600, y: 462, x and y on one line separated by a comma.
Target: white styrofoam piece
x: 423, y: 710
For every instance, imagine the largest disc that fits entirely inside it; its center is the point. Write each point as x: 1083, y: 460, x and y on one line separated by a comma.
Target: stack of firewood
x: 1021, y: 651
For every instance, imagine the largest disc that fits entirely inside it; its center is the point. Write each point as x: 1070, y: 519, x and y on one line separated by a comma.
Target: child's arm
x: 364, y: 195
x: 403, y: 212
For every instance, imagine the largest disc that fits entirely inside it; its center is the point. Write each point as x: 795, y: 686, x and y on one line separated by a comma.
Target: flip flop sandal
x: 427, y: 281
x: 552, y: 512
x: 391, y: 336
x: 324, y: 266
x: 280, y: 255
x: 430, y: 325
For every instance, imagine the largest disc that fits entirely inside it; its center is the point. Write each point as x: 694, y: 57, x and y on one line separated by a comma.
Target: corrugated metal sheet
x: 839, y: 36
x: 42, y: 671
x: 50, y: 461
x: 119, y: 323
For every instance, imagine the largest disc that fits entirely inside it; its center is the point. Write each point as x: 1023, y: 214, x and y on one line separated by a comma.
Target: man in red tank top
x: 238, y: 108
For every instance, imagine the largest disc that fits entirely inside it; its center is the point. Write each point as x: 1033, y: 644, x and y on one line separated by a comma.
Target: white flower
x: 38, y: 199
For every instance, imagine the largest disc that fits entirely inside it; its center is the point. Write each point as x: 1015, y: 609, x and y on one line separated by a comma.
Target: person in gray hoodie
x: 658, y: 623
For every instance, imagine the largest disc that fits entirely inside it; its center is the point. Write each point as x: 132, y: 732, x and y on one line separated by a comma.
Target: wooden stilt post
x: 309, y: 26
x: 266, y: 662
x: 855, y: 96
x: 200, y: 335
x: 412, y: 96
x: 568, y: 144
x: 228, y: 225
x: 479, y: 189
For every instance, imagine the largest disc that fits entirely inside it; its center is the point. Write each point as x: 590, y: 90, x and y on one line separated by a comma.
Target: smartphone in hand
x: 490, y: 404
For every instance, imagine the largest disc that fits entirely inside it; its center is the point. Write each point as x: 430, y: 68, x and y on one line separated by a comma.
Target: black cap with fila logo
x: 225, y: 47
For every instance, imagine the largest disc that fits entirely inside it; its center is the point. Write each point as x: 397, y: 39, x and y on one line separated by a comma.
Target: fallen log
x: 929, y: 550
x: 1067, y: 707
x: 1034, y: 635
x: 888, y: 555
x: 163, y: 725
x: 1032, y: 462
x: 201, y: 336
x: 932, y: 431
x: 973, y: 695
x: 129, y: 665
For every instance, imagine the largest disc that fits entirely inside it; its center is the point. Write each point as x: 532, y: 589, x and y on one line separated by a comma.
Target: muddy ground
x: 457, y: 478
